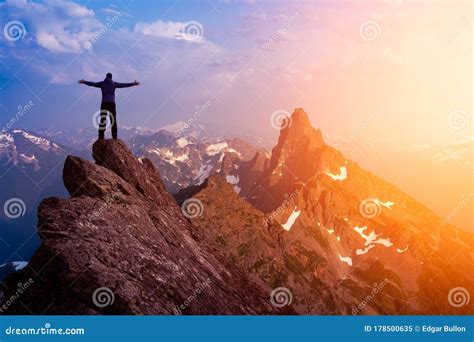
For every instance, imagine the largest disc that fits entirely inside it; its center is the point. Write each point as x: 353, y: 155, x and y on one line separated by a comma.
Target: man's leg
x: 103, y: 120
x: 113, y: 120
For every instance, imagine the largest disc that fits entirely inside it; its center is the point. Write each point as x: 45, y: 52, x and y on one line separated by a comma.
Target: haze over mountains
x: 304, y: 218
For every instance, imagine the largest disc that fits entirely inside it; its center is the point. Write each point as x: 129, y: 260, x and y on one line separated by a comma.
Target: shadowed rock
x: 120, y: 230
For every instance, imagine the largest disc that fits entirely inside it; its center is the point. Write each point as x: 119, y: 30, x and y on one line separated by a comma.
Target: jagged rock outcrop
x: 259, y: 246
x: 120, y: 230
x: 299, y: 154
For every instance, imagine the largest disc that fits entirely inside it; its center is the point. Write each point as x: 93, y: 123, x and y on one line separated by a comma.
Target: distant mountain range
x: 30, y: 170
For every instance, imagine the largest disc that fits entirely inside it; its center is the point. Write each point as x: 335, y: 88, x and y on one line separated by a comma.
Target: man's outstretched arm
x: 92, y: 84
x: 125, y: 85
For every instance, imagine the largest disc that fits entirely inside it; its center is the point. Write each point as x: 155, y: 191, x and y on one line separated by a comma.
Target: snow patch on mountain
x: 386, y: 242
x: 341, y: 176
x: 203, y: 173
x: 19, y: 265
x: 368, y: 238
x: 183, y: 142
x: 30, y: 160
x: 5, y: 139
x: 402, y: 250
x: 219, y: 147
x: 387, y: 204
x: 365, y: 250
x: 42, y: 142
x: 234, y: 180
x: 231, y: 179
x: 372, y: 238
x: 347, y: 260
x: 214, y: 149
x: 292, y: 219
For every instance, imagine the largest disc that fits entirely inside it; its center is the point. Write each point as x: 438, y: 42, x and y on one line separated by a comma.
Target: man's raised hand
x: 81, y: 81
x: 136, y: 82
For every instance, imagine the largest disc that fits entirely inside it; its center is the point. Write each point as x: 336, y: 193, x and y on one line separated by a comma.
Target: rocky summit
x: 121, y: 245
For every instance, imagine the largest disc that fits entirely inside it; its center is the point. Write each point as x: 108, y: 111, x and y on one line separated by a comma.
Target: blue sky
x: 141, y: 42
x: 251, y: 58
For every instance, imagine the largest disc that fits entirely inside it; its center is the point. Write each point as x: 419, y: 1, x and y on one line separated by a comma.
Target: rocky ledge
x: 121, y: 245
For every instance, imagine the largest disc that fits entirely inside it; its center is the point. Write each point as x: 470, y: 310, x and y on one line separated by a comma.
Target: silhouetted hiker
x: 108, y: 102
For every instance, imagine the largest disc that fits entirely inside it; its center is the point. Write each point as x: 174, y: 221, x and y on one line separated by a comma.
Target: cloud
x: 112, y: 11
x: 168, y: 29
x: 70, y: 8
x: 56, y: 25
x: 191, y: 31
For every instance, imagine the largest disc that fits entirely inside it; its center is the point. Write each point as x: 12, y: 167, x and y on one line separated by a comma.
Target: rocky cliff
x: 121, y: 245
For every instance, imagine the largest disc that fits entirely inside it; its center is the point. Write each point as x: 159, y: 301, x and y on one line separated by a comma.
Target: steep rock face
x: 299, y: 154
x: 121, y: 230
x: 259, y: 246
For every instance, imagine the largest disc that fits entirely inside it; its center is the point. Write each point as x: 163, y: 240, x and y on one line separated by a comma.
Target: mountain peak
x: 299, y: 129
x: 298, y: 135
x: 300, y: 117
